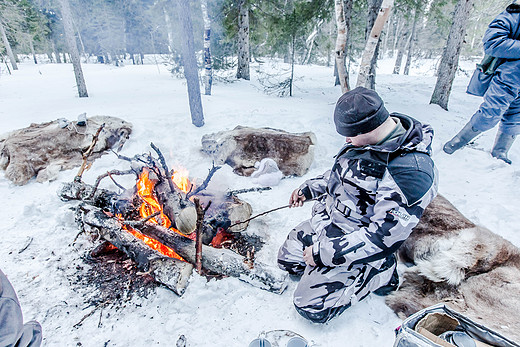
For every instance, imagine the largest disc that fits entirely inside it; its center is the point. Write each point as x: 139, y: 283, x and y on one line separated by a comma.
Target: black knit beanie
x: 359, y: 111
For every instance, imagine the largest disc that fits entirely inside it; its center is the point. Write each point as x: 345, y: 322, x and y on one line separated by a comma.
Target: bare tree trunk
x: 208, y: 73
x: 31, y: 44
x: 400, y: 50
x: 450, y: 57
x: 8, y: 47
x: 372, y: 42
x: 190, y: 64
x: 374, y: 7
x: 292, y: 65
x: 341, y: 41
x: 243, y: 40
x: 169, y: 29
x: 310, y: 41
x: 411, y: 41
x: 73, y: 48
x: 396, y: 34
x: 56, y: 53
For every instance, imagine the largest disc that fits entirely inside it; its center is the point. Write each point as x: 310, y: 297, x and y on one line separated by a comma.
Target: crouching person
x: 12, y: 330
x: 367, y: 204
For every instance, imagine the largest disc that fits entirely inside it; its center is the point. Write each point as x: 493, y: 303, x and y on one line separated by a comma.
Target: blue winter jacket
x: 498, y: 43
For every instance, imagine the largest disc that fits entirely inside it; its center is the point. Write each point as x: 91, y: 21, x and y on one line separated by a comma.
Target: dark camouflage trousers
x: 324, y: 292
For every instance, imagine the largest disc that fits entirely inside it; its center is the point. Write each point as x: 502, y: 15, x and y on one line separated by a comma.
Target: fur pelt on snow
x: 468, y: 267
x: 242, y: 147
x: 42, y: 150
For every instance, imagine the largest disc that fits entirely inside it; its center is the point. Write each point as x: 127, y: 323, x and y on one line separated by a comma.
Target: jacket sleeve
x: 315, y: 187
x: 497, y: 41
x: 393, y: 219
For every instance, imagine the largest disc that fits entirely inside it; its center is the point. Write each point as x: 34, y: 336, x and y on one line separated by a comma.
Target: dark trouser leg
x: 507, y: 132
x: 497, y: 100
x: 325, y: 292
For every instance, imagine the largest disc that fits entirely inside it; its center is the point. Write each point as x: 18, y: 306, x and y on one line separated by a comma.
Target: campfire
x: 170, y: 226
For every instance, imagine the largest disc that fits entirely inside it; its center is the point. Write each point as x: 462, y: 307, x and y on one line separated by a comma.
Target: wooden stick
x: 87, y: 153
x: 142, y: 221
x: 108, y: 174
x: 264, y: 213
x: 205, y: 183
x: 165, y: 167
x: 198, y: 239
x: 247, y: 190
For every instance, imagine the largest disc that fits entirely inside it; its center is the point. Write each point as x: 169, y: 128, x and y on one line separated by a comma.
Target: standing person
x: 367, y: 204
x: 502, y: 98
x: 12, y: 330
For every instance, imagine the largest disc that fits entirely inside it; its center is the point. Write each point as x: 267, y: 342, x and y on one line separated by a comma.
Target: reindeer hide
x: 42, y: 150
x: 473, y: 270
x: 242, y: 147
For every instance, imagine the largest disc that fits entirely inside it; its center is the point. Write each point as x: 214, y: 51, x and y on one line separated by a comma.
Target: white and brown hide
x: 473, y: 270
x: 242, y: 147
x: 42, y: 150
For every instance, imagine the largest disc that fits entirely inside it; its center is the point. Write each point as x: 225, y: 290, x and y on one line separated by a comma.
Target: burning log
x: 220, y: 261
x: 171, y: 272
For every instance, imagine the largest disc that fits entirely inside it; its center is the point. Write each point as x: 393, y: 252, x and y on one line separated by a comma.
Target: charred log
x: 171, y: 272
x: 221, y: 261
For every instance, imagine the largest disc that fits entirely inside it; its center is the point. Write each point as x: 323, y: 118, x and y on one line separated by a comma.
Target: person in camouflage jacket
x: 367, y: 205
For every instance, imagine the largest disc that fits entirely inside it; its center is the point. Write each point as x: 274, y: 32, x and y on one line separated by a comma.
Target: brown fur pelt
x: 242, y: 147
x: 473, y: 270
x: 42, y: 150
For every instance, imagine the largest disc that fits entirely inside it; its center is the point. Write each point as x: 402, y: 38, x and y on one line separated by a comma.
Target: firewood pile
x: 168, y: 227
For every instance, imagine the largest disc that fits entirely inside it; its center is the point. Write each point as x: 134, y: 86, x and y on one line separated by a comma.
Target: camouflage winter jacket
x: 372, y: 197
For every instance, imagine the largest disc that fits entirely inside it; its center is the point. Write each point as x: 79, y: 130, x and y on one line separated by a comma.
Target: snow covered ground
x: 225, y: 312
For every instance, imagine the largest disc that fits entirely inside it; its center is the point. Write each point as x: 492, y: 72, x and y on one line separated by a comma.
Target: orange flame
x: 180, y: 178
x: 150, y: 204
x: 152, y: 243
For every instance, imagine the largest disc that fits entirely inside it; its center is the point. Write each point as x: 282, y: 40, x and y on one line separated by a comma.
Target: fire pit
x: 168, y: 226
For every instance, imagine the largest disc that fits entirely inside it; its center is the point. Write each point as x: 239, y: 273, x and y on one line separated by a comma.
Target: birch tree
x: 450, y: 56
x: 73, y: 48
x: 374, y: 7
x: 7, y: 45
x: 372, y: 42
x: 412, y: 39
x: 401, y: 47
x: 341, y: 40
x: 243, y: 40
x: 190, y: 64
x: 208, y: 73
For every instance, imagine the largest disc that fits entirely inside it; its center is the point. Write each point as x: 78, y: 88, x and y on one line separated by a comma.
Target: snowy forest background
x: 236, y: 32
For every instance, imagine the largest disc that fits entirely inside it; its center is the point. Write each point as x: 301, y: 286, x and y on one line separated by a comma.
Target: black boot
x: 502, y: 145
x: 461, y: 139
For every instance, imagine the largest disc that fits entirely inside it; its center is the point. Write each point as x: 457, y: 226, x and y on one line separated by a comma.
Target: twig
x: 142, y: 221
x: 89, y: 314
x: 198, y: 239
x: 247, y: 190
x: 108, y: 174
x: 87, y: 153
x: 165, y: 167
x: 117, y: 184
x: 206, y: 181
x: 29, y: 241
x: 266, y: 212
